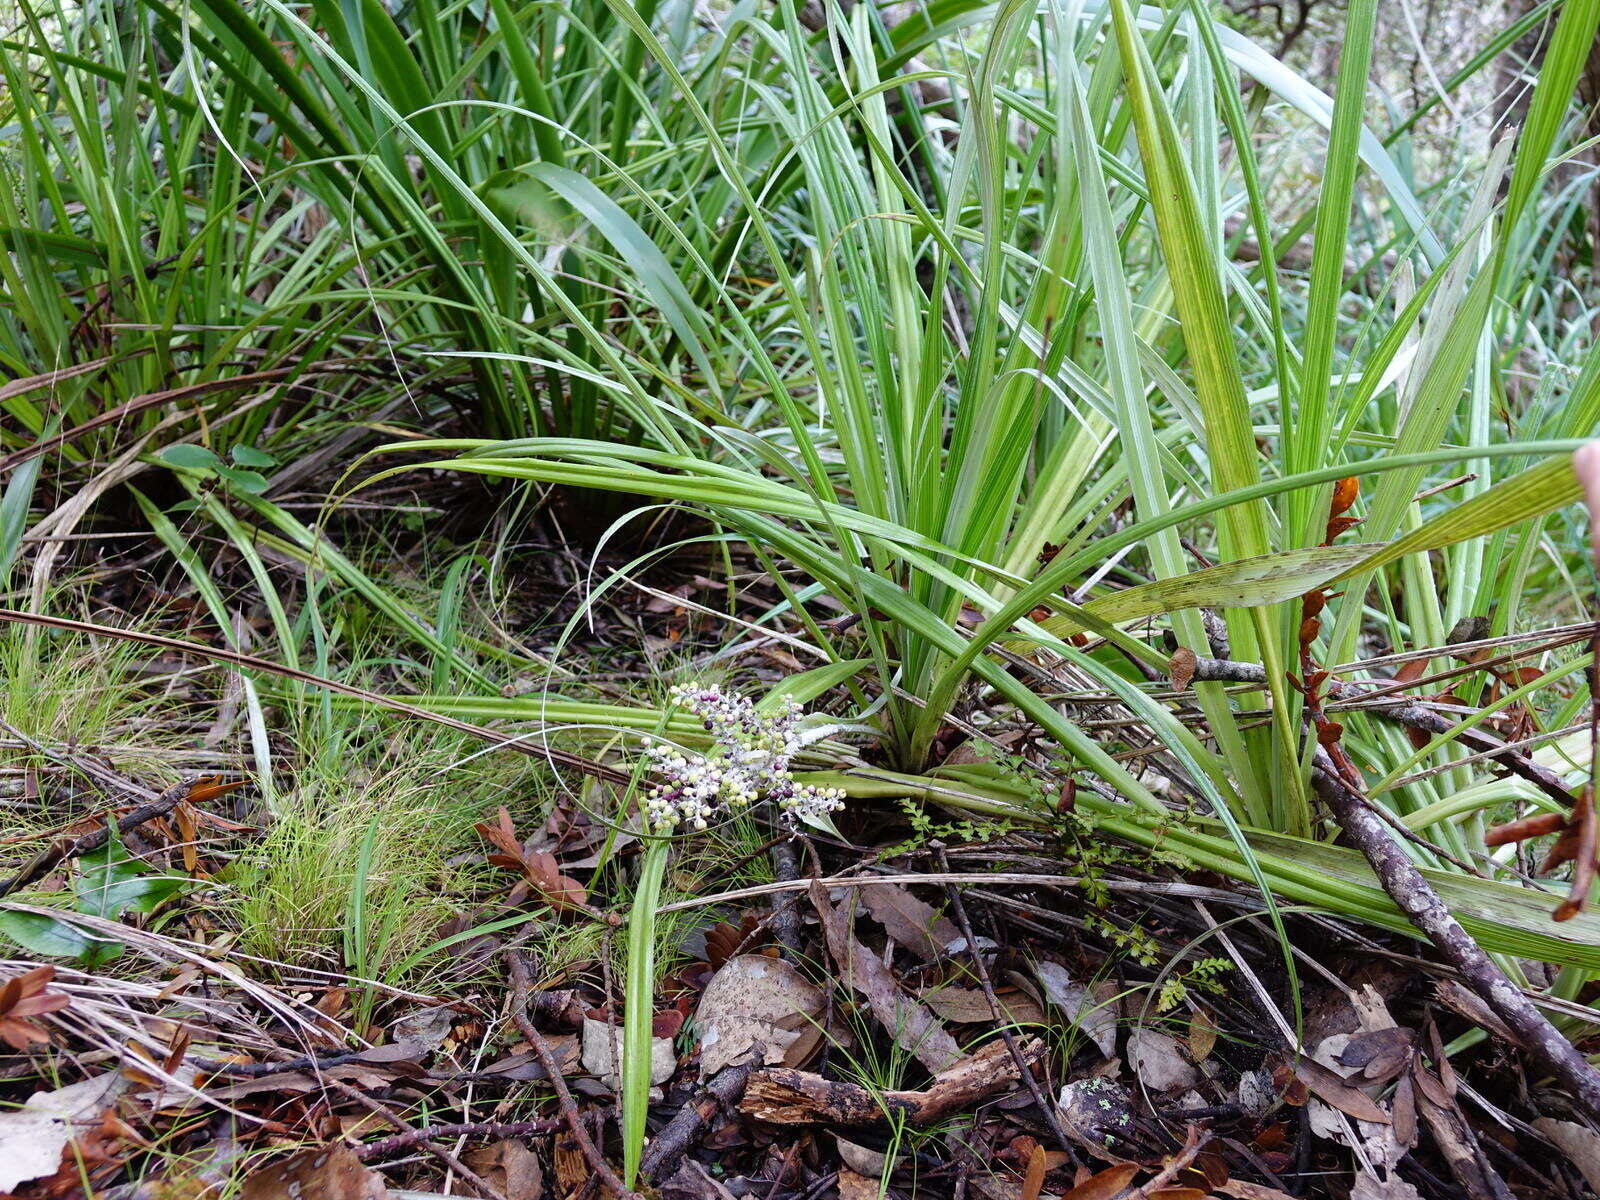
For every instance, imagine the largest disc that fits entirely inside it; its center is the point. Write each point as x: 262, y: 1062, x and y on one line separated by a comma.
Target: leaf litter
x: 821, y: 1035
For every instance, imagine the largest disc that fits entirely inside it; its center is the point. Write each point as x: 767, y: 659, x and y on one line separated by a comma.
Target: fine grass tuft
x: 371, y: 851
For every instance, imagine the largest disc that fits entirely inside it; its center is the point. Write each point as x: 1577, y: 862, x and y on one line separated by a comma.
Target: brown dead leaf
x: 1113, y: 1181
x: 913, y: 923
x: 539, y: 868
x: 1033, y: 1178
x: 510, y: 1168
x: 1202, y: 1035
x: 1182, y: 667
x: 1379, y: 1054
x: 1579, y: 1143
x: 855, y: 1186
x: 330, y: 1172
x: 1334, y: 1091
x: 969, y: 1006
x: 912, y: 1025
x: 1404, y: 1112
x: 23, y: 998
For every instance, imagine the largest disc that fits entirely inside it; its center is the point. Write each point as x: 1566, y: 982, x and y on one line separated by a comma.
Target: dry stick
x: 569, y: 1108
x: 785, y: 923
x: 496, y: 1129
x: 1414, y: 715
x: 444, y: 1156
x: 1406, y: 886
x: 1024, y: 1069
x: 90, y: 842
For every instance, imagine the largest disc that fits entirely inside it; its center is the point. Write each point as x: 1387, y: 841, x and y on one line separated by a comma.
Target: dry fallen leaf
x: 538, y: 867
x: 1181, y: 668
x: 754, y: 1005
x: 1370, y: 1187
x: 1159, y: 1062
x: 1202, y: 1035
x: 511, y: 1168
x: 914, y: 923
x: 855, y: 1186
x: 1092, y: 1009
x: 1033, y: 1178
x: 1334, y: 1091
x: 913, y: 1026
x: 969, y: 1006
x: 863, y: 1160
x: 330, y: 1172
x: 33, y: 1137
x: 1113, y: 1181
x: 1579, y: 1143
x: 23, y: 998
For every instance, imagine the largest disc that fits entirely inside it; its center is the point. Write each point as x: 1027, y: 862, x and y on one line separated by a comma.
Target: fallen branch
x: 726, y: 1087
x: 784, y: 1096
x: 1406, y: 886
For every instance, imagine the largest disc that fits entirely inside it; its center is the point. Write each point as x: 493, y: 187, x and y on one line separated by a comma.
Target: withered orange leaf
x: 23, y: 998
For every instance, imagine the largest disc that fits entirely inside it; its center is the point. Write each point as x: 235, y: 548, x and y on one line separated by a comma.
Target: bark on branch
x: 783, y: 1096
x: 1540, y: 1040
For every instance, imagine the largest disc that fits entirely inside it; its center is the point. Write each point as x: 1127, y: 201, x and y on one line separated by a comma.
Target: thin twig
x: 482, y: 1129
x: 90, y: 842
x: 1002, y: 1021
x: 569, y: 1108
x: 1415, y: 716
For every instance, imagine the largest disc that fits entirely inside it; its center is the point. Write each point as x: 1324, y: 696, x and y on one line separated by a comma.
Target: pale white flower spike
x: 749, y: 760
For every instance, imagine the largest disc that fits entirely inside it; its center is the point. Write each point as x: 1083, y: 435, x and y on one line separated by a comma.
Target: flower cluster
x: 748, y: 760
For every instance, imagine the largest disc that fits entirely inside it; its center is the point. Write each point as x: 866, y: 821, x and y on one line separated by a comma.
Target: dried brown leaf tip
x: 21, y: 1000
x: 1576, y: 843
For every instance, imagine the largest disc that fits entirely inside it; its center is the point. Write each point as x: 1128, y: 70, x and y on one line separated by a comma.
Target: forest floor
x: 405, y: 961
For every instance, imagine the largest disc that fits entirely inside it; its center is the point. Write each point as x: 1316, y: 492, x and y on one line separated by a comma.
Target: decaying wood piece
x: 669, y: 1146
x: 784, y: 1096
